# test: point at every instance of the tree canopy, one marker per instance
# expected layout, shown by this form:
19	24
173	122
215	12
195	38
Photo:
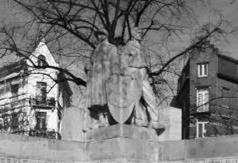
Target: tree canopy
84	20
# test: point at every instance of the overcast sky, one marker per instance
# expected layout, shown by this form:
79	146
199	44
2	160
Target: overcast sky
229	11
210	10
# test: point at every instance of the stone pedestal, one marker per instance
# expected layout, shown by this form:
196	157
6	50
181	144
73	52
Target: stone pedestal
122	143
123	131
72	124
24	149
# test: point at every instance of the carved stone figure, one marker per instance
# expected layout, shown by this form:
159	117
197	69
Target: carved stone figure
118	86
98	75
146	111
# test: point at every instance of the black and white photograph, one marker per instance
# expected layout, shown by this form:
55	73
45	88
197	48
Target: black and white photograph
118	81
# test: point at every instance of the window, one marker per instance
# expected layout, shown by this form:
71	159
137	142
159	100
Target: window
5	88
7	122
40	121
41	91
15	122
200	129
202	100
227	68
226	97
2	92
41	61
14	89
202	70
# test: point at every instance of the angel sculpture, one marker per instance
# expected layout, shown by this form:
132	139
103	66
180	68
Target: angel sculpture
118	86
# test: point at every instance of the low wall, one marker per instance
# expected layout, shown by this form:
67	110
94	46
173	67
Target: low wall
118	148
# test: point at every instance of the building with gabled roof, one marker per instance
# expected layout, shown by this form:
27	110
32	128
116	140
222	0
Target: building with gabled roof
208	94
31	102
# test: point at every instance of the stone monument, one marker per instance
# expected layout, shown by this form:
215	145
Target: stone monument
118	89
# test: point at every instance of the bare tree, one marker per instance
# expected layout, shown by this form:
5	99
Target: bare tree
64	20
219	114
72	29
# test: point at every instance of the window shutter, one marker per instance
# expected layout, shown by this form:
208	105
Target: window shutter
199	70
206	100
199	98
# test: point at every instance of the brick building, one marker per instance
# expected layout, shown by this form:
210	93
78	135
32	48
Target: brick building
31	102
208	94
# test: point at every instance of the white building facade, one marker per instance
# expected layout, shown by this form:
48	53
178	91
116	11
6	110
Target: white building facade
31	101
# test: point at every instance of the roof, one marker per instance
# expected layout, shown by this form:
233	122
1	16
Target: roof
228	58
218	52
13	67
13	63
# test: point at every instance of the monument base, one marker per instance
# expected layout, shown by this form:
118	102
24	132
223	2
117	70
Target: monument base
122	130
122	143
